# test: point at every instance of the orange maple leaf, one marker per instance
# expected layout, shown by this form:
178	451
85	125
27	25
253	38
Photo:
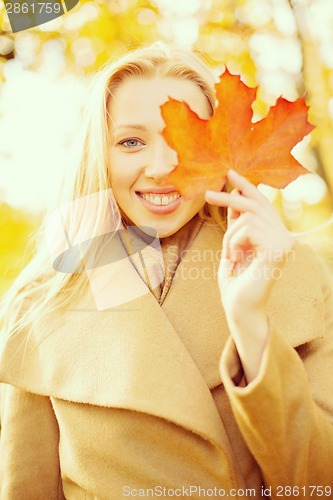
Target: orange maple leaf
260	151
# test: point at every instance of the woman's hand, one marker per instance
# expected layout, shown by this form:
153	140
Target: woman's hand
254	250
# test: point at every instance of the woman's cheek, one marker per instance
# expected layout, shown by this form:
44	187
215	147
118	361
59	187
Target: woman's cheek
129	169
119	168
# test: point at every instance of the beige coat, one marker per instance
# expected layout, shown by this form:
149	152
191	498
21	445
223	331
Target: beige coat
102	404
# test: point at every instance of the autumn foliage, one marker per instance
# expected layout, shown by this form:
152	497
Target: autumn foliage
260	151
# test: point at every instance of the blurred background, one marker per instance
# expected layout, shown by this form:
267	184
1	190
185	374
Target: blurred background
284	46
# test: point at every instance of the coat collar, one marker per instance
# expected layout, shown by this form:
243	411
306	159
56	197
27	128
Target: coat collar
158	360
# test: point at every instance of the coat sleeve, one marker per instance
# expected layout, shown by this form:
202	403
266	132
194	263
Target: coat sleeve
29	442
285	415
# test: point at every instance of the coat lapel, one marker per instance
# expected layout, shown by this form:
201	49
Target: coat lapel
128	357
193	304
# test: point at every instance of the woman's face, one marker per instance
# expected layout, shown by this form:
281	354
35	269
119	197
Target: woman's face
140	156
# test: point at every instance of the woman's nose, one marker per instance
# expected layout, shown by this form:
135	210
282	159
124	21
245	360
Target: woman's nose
162	159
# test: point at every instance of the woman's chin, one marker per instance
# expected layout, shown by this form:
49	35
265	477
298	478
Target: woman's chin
162	229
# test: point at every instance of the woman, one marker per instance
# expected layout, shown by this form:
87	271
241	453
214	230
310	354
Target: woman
174	371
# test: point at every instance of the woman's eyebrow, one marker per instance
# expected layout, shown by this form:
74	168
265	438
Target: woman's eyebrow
138	127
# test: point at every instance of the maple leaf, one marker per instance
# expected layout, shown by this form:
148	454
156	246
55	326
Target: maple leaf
260	151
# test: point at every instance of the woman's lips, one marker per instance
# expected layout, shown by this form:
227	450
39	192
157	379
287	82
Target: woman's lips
160	209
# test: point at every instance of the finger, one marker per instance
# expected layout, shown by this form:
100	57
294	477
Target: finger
226	271
243	225
245	186
232	214
245	242
237	202
241	203
249	221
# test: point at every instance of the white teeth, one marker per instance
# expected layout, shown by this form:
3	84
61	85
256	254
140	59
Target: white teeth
160	199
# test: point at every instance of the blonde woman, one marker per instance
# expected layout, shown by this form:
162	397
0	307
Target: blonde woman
140	360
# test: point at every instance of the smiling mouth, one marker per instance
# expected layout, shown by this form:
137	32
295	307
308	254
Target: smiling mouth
162	199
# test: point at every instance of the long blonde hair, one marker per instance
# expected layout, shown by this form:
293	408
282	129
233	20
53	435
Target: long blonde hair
40	287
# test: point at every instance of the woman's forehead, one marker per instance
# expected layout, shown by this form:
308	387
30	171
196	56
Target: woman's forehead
141	97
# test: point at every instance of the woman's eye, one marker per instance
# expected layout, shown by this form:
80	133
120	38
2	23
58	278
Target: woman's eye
131	143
